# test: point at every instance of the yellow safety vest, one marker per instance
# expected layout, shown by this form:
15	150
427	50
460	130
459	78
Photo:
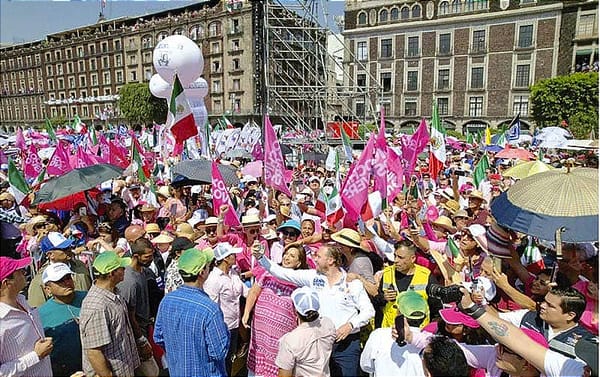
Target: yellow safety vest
418	283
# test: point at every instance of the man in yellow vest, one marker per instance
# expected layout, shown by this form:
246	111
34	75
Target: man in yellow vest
404	275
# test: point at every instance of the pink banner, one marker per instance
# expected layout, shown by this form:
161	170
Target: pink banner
416	145
20	140
32	164
274	166
102	149
394	175
356	188
379	165
59	162
83	158
221	197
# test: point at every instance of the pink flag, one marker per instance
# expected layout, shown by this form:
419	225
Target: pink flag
32	164
379	163
416	145
221	196
394	174
117	158
20	140
274	166
257	151
59	162
356	188
102	149
83	158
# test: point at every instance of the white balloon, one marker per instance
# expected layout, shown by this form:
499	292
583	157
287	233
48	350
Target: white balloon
159	87
178	54
196	89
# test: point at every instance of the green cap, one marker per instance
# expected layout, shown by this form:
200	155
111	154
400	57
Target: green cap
412	305
192	261
109	261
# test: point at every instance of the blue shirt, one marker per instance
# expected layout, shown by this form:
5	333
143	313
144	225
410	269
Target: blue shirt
191	329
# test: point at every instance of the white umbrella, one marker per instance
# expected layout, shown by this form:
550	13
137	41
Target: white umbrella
550	132
553	141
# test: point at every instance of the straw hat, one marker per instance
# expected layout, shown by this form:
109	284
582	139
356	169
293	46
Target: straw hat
348	237
461	213
152	228
184	230
446	223
249	220
451	205
164	191
162	238
39	219
147	208
476	194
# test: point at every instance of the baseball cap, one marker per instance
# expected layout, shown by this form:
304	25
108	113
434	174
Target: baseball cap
108	261
9	265
305	300
294	224
192	261
55	272
412	305
224	249
54	241
181	243
453	317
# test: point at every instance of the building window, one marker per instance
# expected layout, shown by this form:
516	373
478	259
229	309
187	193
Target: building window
386	48
521	106
48	70
475	106
394	14
80	52
236	84
71	82
217	106
455	6
104	47
117	44
106	78
522	76
416	11
383	15
525	36
360	109
444	46
361	81
469	5
362	18
482	4
444	8
386	81
412	81
477	78
147	41
361	50
235	44
478	41
404	13
216	86
162	35
216	66
442	104
586	25
50	84
133	76
132	59
215	48
195	32
119	75
413	46
214	29
410	108
443	79
179	32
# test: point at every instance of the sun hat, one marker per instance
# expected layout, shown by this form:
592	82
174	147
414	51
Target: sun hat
184	230
10	265
29	227
55	241
108	261
192	261
181	243
305	300
162	238
348	237
587	350
294	224
164	191
451	205
461	213
249	220
248	178
412	305
195	220
269	218
498	241
445	222
55	272
453	317
148	208
152	228
212	220
476	194
224	249
6	196
314	178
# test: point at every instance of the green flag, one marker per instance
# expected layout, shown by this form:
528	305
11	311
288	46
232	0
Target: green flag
138	160
18	186
469	138
453	247
479	173
347	145
93	136
50	130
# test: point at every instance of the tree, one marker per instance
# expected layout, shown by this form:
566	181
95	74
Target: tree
572	98
138	105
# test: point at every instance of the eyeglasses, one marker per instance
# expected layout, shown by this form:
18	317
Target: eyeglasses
253	230
288	233
39	226
212	229
272	222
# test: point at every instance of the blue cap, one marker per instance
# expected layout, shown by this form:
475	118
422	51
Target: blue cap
54	241
294	224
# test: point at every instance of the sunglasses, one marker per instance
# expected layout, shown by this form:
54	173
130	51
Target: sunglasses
212	229
272	222
40	226
288	233
253	231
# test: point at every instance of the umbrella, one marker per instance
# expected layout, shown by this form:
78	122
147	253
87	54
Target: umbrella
553	131
527	169
553	141
492	148
285	149
518	153
238	153
253	168
200	171
550	200
75	181
314	156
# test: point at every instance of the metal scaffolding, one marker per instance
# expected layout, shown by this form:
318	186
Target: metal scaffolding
296	74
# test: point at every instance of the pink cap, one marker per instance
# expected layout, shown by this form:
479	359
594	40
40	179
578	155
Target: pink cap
453	317
9	265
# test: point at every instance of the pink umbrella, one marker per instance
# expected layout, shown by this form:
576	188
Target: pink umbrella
518	153
254	168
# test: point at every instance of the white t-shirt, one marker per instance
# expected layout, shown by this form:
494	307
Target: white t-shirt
557	365
382	356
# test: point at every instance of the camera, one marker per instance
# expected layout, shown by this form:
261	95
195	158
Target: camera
448	294
460	173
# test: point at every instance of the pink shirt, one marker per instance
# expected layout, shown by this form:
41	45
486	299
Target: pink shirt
226	290
591	306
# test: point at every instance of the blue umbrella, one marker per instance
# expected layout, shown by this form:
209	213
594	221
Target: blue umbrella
492	148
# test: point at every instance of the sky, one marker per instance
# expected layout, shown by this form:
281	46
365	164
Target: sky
30	20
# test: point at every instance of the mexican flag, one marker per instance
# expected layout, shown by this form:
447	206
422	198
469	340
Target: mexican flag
331	204
226	123
18	186
437	148
50	130
183	125
136	159
347	145
78	126
479	172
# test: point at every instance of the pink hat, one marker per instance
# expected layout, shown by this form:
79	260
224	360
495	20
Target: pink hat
453	317
9	265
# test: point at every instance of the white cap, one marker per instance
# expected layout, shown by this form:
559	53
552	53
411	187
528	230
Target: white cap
224	249
269	218
476	230
55	272
305	299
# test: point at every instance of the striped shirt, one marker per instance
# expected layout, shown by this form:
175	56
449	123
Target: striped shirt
191	329
104	323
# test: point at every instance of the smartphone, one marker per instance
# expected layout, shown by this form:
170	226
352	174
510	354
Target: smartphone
82	211
399	322
173	209
460	173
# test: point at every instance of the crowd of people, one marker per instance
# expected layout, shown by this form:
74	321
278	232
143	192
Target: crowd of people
152	282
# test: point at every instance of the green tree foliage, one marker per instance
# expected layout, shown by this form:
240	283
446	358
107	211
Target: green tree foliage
138	105
572	98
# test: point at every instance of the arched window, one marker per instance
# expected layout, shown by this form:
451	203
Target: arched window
444	8
469	5
416	11
362	18
147	41
214	29
404	13
162	35
196	32
383	15
394	14
178	31
456	6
